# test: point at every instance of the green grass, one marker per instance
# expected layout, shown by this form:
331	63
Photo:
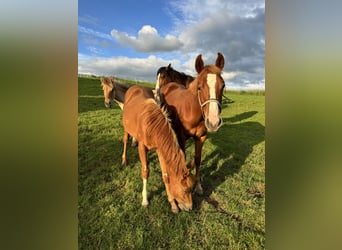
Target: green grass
230	213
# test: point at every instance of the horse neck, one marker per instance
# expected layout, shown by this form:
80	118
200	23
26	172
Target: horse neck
170	155
172	164
193	87
120	91
183	78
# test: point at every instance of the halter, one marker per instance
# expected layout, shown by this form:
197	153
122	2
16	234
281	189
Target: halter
202	104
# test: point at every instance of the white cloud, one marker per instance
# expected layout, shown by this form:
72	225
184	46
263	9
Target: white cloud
148	40
125	67
92	32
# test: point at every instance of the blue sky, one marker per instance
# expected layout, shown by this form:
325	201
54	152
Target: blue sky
132	39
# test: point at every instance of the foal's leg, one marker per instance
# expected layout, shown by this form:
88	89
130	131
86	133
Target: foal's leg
125	139
198	155
144	172
171	199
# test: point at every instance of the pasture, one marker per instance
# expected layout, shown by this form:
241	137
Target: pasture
229	215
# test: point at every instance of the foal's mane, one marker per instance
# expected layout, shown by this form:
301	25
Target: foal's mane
159	128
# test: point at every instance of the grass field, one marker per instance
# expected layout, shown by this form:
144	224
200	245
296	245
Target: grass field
229	215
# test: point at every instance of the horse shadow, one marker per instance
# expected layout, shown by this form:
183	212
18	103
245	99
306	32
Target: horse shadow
230	153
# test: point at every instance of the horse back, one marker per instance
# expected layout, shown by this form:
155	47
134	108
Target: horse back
135	99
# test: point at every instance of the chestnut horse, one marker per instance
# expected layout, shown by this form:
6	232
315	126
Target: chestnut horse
144	119
113	91
196	110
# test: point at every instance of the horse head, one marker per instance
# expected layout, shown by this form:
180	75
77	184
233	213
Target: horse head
210	90
108	89
180	188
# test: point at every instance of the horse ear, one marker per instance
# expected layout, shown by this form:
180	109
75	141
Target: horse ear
199	64
168	66
220	61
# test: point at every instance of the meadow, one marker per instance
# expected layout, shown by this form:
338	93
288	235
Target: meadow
229	215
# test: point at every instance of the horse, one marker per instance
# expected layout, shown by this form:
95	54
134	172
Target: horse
196	110
168	74
116	91
144	119
113	91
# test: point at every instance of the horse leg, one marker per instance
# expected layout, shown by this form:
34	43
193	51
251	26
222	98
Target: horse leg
198	155
166	179
125	139
134	142
144	172
170	198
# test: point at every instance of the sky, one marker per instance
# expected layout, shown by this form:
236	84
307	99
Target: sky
131	39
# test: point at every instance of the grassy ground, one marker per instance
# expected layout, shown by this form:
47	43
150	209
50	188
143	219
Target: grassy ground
230	213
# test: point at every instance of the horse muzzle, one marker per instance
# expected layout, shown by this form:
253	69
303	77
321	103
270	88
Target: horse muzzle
185	207
213	126
108	104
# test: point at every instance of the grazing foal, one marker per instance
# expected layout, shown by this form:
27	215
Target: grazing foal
196	110
148	123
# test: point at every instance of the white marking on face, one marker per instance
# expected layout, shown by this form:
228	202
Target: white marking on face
213	114
157	84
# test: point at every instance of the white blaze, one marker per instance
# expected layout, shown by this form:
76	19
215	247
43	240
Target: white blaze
213	114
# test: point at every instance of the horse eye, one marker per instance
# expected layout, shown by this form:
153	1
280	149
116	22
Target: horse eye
199	88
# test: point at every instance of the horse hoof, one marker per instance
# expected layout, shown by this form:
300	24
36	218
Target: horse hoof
175	211
144	205
199	190
123	163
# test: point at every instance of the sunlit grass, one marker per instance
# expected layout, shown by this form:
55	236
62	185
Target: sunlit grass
230	213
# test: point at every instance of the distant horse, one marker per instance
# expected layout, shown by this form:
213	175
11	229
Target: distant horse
145	120
114	91
196	110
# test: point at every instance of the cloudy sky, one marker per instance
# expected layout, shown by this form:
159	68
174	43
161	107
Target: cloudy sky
132	39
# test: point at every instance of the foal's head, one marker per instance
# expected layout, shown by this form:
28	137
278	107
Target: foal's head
108	90
210	90
181	188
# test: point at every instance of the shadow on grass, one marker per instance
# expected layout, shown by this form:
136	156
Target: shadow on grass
233	143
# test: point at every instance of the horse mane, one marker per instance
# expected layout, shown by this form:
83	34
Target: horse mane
159	127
